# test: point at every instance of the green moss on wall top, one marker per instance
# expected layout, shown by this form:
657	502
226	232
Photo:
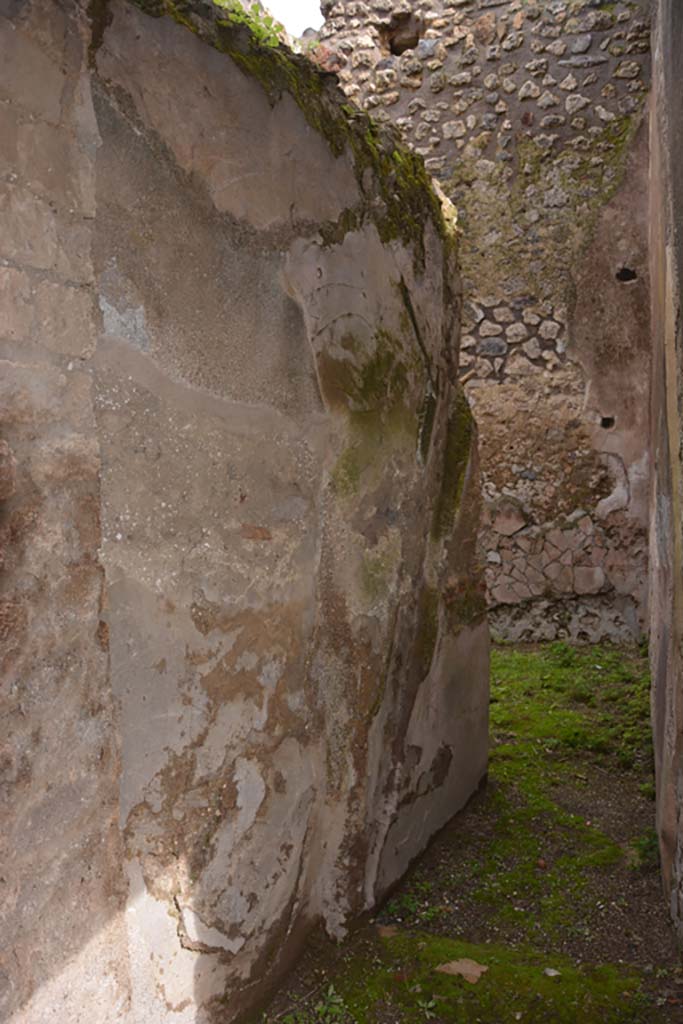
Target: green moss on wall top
397	192
263	26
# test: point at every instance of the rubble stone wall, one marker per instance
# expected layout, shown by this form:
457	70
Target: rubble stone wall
530	116
244	658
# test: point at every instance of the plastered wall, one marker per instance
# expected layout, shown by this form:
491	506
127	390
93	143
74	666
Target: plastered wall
666	210
244	663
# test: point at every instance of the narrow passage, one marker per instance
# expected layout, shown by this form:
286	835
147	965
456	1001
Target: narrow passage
541	901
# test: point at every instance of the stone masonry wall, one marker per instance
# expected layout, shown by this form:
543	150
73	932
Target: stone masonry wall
244	662
529	114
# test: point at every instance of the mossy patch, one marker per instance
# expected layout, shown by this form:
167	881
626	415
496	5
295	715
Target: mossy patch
426	419
374	391
427	630
379	566
465	602
374	438
179	10
591	699
396	978
375	575
543	885
346	475
549	708
612	145
456	454
527	220
397	193
363	380
263	26
514	983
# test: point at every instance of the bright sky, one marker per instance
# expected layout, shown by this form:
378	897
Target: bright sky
296	15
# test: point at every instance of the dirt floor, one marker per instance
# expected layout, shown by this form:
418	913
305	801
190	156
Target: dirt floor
541	901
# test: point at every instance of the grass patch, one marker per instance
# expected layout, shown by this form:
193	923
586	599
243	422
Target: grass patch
590	699
396	979
526	883
556	712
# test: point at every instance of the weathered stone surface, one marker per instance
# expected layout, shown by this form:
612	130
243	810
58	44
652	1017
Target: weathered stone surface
508	518
244	655
7	472
65	319
16	308
666	515
28	233
611	335
589	579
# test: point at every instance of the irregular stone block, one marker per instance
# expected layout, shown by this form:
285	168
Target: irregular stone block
508	518
588	579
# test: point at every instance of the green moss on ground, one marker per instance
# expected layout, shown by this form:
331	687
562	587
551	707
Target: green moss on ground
551	709
395	978
525	882
590	699
515	987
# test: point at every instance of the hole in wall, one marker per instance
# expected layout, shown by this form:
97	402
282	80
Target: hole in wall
607	422
626	274
403	33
